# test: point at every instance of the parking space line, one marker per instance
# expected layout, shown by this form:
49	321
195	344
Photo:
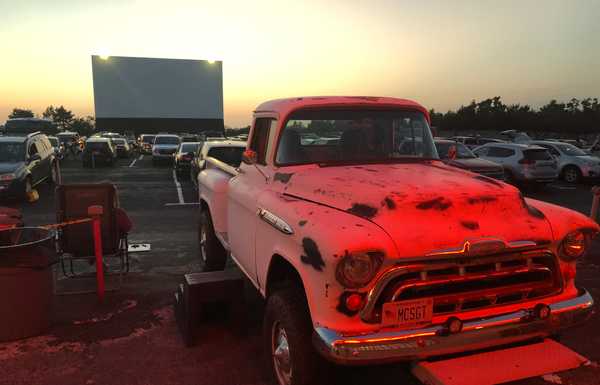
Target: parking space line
132	162
141	157
178	186
183	204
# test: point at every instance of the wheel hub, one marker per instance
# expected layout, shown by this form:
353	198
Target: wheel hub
281	355
203	243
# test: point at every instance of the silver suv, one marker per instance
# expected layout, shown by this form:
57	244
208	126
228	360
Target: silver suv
573	163
523	163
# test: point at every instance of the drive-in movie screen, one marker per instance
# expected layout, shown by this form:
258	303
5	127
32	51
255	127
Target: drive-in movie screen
299	192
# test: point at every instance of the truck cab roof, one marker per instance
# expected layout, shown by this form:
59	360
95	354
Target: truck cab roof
284	107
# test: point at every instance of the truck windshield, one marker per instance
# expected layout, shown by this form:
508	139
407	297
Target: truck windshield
11	152
354	136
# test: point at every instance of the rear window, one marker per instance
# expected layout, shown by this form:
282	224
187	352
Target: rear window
166	140
230	155
11	152
96	145
189	147
147	138
538	154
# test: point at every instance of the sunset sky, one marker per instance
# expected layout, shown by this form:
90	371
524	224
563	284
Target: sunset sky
440	53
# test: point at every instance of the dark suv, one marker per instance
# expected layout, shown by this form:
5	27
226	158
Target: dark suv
26	161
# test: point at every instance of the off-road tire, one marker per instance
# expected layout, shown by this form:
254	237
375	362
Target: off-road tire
211	252
571	174
287	307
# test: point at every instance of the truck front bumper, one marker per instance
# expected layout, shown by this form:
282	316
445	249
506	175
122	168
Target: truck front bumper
416	344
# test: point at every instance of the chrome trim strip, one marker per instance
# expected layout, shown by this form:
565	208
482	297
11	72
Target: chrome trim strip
274	221
397	345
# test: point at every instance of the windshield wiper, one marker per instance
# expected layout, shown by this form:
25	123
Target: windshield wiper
406	159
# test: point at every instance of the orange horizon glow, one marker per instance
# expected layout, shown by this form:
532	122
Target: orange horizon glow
441	54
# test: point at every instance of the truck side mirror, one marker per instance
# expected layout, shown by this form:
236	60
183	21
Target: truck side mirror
249	157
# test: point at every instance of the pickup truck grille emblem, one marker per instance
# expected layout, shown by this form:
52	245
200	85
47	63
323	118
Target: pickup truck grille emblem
274	221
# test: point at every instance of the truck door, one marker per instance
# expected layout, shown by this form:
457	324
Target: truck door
244	192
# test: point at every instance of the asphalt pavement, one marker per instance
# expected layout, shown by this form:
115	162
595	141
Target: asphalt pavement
132	337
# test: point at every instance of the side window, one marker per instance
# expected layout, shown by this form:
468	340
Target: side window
553	151
260	139
500	152
481	151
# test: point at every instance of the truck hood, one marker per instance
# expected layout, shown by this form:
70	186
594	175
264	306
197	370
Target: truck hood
424	207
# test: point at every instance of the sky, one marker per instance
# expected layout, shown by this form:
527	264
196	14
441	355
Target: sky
442	54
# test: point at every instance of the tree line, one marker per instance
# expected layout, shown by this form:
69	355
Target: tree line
62	117
572	118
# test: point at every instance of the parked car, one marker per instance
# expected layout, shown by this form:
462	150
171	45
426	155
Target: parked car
184	156
25	162
99	151
523	163
371	250
465	159
122	147
164	147
70	141
145	143
573	163
59	148
226	151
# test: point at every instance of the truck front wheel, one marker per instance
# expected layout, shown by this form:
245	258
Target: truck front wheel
212	253
287	330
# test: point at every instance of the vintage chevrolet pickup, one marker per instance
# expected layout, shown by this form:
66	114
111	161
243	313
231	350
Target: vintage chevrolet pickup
364	243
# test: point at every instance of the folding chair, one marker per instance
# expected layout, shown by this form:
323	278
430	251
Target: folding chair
76	241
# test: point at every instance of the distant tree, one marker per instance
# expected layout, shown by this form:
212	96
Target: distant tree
59	115
20	113
84	126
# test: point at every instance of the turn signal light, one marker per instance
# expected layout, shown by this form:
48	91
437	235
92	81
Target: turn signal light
354	302
573	246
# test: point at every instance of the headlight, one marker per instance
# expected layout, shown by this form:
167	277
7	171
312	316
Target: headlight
358	269
7	177
573	246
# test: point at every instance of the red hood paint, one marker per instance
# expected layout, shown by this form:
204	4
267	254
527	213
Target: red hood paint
424	207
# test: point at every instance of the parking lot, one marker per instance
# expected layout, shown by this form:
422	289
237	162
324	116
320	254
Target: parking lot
132	338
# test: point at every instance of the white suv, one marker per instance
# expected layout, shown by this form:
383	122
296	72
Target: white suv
164	147
523	163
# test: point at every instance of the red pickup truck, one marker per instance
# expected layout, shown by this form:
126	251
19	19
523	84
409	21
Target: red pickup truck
370	249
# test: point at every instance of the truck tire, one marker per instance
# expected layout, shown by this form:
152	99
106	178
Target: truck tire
287	335
212	253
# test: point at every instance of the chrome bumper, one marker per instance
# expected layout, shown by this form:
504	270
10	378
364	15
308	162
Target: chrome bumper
407	345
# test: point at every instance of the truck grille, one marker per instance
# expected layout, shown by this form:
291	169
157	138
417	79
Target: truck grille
464	284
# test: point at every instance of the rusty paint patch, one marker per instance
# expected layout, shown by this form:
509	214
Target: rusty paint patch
313	255
471	225
488	180
439	203
482	199
389	203
302	222
363	210
282	177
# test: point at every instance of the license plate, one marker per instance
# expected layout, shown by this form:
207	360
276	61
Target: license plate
407	313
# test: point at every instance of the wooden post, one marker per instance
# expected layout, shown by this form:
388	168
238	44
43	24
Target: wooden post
96	213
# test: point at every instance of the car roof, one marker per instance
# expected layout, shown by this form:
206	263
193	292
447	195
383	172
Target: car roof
445	141
13	139
171	135
224	143
98	140
553	142
285	106
521	146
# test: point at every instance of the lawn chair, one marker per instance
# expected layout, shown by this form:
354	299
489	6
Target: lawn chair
76	241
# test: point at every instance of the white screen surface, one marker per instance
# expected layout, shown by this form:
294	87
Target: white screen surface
128	87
